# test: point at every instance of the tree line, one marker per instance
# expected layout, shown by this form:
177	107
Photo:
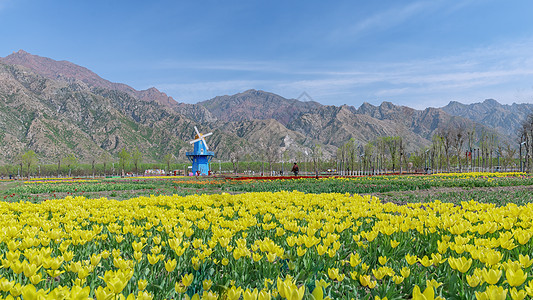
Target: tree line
452	149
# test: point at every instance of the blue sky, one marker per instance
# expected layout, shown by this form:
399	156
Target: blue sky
414	53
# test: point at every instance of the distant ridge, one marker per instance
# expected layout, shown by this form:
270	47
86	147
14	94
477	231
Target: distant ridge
57	108
502	117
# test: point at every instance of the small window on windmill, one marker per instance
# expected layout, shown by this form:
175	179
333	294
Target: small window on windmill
202	151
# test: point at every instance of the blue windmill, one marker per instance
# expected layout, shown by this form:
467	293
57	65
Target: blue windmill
201	156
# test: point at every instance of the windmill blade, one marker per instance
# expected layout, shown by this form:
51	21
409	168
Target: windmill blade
201	137
205	144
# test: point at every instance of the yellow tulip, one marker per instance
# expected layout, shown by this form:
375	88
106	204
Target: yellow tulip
493	257
144	295
233	293
29	292
179	287
333	273
397	279
78	292
405	271
429	293
372	284
425	261
152	258
364	280
170	265
461	264
518	295
318	293
16	290
382	260
256	256
355	259
529	288
103	293
473	280
301	251
68	255
206	284
142	284
515	278
250	295
30	269
5	284
187	279
322	283
35	279
491	276
95	259
437	259
378	273
492	292
137	246
194	297
264	295
364	266
525	261
296	293
321	249
116	284
411	259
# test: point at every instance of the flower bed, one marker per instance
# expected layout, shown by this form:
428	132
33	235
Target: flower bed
286	245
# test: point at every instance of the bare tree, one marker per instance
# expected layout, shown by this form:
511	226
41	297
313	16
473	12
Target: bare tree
436	151
510	152
271	153
236	150
447	136
352	153
525	137
492	142
29	159
93	162
105	158
458	142
70	161
124	158
169	159
317	157
136	159
394	143
368	152
470	144
58	165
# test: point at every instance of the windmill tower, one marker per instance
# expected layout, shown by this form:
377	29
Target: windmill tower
201	156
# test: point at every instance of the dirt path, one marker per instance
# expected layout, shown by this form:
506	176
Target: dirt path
398	196
6	185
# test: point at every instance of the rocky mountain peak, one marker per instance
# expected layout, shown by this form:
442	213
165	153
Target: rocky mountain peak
65	70
491	102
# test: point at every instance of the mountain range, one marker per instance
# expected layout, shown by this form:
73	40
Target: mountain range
57	108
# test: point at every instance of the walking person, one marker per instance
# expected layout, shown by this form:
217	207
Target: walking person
295	169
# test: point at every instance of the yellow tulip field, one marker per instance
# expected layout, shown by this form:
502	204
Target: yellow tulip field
265	245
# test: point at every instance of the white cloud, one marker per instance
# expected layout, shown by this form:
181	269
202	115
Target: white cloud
199	91
384	20
486	72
